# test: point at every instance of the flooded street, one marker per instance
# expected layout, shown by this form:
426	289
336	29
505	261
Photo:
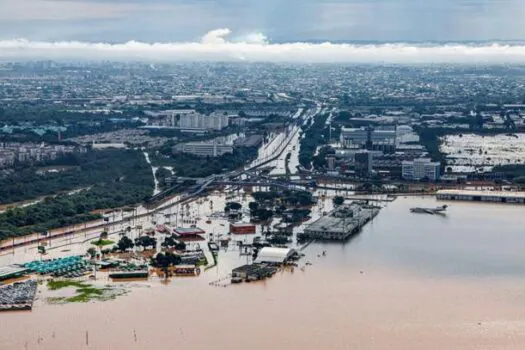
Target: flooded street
408	281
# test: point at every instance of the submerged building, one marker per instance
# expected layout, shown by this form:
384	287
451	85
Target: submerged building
482	196
342	222
273	255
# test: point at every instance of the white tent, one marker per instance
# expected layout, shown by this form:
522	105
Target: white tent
274	255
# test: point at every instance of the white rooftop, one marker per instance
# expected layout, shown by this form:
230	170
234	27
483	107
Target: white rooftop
273	255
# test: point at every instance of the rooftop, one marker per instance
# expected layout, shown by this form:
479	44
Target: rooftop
273	254
507	194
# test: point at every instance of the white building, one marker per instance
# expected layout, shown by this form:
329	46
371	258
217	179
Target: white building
420	169
273	255
380	137
203	122
204	148
363	136
405	134
354	136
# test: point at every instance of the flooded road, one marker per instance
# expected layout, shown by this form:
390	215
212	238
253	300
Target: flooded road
408	281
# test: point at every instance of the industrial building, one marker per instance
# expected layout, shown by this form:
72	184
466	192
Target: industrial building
421	168
252	272
363	163
482	196
354	136
273	255
242	228
370	138
204	148
342	222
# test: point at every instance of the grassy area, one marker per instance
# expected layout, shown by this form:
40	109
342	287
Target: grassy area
102	242
85	292
202	262
55	284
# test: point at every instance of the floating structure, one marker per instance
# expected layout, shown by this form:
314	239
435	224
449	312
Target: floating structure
7	272
18	296
242	228
482	196
342	222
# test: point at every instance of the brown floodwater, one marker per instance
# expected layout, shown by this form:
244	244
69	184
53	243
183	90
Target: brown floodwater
408	281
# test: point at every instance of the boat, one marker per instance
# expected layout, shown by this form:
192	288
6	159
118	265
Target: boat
432	211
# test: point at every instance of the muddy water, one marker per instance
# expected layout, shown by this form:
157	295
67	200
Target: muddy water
409	281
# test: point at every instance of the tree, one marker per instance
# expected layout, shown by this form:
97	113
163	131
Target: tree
232	206
165	260
338	200
146	242
263	214
103	235
253	206
171	241
92	252
124	244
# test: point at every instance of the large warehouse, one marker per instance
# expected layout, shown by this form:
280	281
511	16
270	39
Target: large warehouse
272	255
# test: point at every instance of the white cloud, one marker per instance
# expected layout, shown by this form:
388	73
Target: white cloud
214	46
216	36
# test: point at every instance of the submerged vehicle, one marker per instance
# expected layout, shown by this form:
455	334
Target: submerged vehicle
432	211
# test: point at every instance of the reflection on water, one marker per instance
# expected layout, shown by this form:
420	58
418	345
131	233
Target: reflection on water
408	281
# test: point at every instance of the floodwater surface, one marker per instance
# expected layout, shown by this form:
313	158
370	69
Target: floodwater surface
408	281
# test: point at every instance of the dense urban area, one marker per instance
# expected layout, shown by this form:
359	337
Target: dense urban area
157	171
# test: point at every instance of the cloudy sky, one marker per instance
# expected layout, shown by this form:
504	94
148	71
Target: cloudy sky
279	20
384	31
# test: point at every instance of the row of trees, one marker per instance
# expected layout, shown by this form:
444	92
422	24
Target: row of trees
314	136
85	169
188	165
123	178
